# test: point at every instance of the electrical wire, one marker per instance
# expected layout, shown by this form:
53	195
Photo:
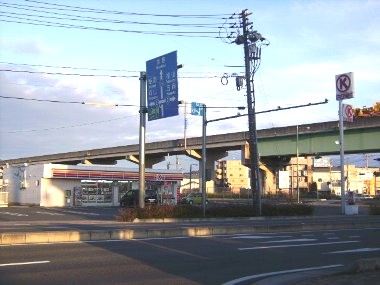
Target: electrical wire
82	18
67	102
104	104
102	11
69	126
97	75
69	67
30	19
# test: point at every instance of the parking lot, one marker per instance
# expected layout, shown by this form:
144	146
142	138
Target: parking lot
33	213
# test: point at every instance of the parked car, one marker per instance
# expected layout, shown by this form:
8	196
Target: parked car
131	198
193	198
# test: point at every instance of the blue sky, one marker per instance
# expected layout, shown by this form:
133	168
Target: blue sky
310	42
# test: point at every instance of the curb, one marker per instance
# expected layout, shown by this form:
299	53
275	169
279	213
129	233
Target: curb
128	234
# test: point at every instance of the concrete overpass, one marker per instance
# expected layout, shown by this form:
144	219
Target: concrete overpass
361	136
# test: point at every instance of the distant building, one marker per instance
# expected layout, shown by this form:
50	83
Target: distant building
300	173
357	179
232	175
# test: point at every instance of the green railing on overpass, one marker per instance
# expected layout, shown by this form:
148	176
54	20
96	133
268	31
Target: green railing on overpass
361	136
361	140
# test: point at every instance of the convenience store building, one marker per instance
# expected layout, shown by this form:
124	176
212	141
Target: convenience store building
58	185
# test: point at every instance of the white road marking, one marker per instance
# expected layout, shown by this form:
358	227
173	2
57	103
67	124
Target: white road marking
258	237
50	213
24	263
296	245
14	214
247	278
81	213
365	249
290	240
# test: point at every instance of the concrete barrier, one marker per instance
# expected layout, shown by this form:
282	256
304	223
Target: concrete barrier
126	234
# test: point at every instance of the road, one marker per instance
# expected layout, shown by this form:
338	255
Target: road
186	260
25	219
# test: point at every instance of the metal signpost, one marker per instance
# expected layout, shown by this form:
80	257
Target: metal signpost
162	86
161	83
344	84
199	109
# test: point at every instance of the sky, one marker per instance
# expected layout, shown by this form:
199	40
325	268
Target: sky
55	56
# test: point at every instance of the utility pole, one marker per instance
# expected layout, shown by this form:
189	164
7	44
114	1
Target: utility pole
252	42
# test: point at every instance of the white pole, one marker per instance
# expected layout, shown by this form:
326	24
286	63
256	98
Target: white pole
341	144
204	124
185	126
143	111
298	188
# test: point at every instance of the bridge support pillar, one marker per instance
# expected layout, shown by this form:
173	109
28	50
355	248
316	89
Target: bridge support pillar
212	156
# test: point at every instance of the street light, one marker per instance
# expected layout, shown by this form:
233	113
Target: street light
297	154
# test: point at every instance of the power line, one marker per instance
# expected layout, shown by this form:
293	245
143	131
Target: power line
98	75
82	18
69	67
69	126
91	10
68	74
96	69
30	19
67	102
191	34
103	104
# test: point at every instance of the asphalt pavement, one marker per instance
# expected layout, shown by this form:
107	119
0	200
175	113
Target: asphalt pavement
26	225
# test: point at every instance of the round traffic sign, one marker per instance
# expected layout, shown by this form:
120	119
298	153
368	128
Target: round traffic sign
348	111
343	83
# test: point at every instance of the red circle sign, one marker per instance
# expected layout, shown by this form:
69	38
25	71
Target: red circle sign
343	83
349	112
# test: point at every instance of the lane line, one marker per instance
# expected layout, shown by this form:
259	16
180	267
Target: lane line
258	237
365	249
250	277
49	213
290	240
24	263
296	245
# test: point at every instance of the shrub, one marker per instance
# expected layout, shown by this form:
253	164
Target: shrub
159	212
230	211
127	215
374	209
212	211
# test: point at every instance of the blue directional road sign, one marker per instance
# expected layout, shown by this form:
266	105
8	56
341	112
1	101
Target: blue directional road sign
162	86
196	109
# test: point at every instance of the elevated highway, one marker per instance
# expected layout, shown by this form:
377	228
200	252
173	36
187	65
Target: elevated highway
361	136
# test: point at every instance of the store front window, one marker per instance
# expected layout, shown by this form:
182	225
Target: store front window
95	192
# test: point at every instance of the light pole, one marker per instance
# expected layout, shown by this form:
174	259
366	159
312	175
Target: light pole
297	161
297	153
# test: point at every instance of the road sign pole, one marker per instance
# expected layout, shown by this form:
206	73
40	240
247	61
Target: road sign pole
204	126
185	125
341	144
143	111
